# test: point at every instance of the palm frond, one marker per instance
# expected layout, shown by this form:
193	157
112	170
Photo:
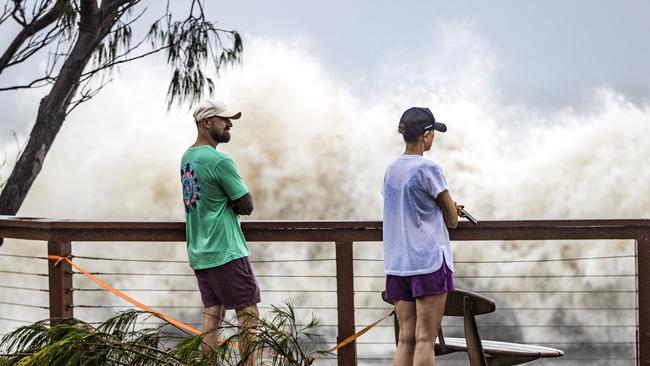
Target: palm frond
277	339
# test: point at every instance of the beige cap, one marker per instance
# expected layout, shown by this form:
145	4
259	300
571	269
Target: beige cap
209	108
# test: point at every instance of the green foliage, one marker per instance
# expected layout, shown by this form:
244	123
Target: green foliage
68	19
116	43
117	341
277	340
189	44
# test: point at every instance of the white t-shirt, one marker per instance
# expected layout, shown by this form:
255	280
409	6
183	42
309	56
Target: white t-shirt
416	240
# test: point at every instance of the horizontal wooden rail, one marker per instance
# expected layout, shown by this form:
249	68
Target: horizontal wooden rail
329	231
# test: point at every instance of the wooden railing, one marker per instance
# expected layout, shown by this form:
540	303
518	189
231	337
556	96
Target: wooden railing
59	234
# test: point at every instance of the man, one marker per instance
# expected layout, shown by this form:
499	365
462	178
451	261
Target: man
214	196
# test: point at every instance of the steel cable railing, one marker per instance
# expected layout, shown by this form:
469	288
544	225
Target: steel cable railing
23	289
586	302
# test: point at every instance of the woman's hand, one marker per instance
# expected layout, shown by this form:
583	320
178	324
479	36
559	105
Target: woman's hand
458	209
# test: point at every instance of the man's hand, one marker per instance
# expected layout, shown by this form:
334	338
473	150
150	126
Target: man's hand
242	205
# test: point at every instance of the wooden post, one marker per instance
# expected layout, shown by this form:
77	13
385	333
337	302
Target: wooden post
347	356
643	286
60	277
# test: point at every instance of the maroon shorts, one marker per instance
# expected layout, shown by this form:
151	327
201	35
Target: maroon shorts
232	285
409	288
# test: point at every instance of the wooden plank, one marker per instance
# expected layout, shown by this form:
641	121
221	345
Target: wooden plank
15	221
519	349
314	235
347	356
498	348
72	230
475	351
643	285
60	282
480	304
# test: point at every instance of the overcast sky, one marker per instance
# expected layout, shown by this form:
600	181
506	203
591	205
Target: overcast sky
547	54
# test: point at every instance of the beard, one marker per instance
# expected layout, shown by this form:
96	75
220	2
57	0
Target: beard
221	137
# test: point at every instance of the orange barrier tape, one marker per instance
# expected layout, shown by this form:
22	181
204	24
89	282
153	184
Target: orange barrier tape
358	334
351	338
126	297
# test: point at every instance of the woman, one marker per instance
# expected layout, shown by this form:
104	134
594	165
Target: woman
418	263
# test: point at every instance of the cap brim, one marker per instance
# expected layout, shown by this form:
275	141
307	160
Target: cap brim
441	127
230	115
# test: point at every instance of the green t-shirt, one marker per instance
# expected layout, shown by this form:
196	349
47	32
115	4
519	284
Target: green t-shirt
210	179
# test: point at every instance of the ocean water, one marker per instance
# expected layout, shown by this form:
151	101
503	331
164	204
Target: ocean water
311	147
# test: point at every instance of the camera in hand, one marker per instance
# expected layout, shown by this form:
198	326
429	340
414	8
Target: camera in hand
469	217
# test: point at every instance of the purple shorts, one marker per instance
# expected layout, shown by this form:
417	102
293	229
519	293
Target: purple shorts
409	288
232	285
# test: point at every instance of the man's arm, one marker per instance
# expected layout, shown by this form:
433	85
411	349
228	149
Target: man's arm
242	205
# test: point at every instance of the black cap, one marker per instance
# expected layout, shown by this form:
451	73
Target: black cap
417	120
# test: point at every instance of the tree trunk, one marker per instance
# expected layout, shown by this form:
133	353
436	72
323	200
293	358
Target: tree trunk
93	27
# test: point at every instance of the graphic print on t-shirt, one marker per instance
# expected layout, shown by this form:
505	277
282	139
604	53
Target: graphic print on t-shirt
191	188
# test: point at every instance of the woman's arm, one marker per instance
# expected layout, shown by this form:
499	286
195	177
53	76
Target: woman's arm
450	209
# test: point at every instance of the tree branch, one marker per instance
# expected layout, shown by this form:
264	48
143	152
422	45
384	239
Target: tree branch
55	57
48	80
6	13
132	21
113	63
31	29
112	6
86	94
34	44
115	10
41	5
19	11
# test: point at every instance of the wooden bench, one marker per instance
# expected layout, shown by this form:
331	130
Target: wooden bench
480	352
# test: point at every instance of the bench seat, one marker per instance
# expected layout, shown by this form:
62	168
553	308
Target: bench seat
500	353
